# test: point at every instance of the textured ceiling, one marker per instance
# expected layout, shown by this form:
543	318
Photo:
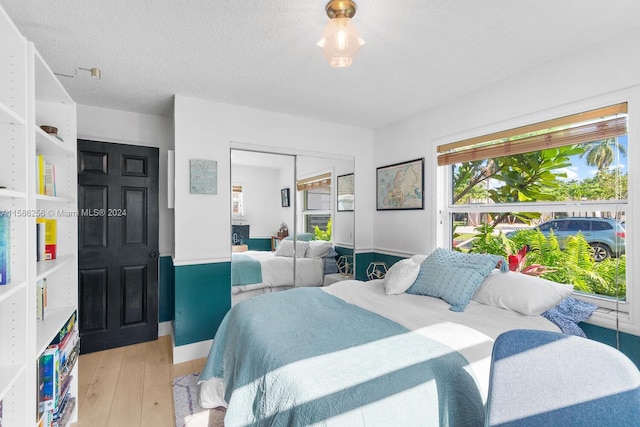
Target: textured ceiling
262	53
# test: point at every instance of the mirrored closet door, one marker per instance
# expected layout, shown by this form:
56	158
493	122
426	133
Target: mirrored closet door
290	221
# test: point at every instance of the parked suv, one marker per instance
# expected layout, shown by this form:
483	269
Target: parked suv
605	235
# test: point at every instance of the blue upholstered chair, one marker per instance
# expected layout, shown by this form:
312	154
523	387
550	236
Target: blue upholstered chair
541	378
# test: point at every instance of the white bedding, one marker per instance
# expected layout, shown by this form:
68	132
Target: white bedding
471	332
277	272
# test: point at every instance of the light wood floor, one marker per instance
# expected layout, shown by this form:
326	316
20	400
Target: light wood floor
130	386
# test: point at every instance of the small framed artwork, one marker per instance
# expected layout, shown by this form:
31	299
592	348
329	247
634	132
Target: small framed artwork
203	176
400	186
284	197
345	188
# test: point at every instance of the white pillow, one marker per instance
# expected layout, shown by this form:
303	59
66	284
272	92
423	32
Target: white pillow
400	276
318	249
418	258
285	248
519	292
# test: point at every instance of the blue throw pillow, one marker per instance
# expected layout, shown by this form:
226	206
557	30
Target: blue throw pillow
454	276
303	237
330	265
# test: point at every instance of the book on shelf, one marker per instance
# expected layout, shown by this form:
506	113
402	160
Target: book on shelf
40	242
46	238
48	380
41	298
54	373
40	173
49	179
5	247
66	329
50	238
63	415
45	176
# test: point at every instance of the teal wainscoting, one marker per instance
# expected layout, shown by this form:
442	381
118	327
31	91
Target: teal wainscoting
165	289
258	244
364	259
202	298
629	344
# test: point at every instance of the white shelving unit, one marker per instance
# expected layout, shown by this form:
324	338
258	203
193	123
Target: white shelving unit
31	96
15	316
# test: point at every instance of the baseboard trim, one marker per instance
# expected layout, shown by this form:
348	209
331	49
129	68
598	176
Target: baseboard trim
185	353
165	328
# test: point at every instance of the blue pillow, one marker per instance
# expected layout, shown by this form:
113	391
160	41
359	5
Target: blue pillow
330	265
303	237
454	276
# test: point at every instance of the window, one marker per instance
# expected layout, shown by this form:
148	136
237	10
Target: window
237	205
316	199
558	188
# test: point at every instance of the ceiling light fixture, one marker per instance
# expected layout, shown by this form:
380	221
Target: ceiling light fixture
95	73
341	40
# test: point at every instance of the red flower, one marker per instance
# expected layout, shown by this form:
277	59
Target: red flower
516	261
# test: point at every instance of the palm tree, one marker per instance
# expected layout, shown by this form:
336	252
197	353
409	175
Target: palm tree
601	153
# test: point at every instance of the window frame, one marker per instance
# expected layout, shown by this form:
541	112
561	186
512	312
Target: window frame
324	177
623	316
239	215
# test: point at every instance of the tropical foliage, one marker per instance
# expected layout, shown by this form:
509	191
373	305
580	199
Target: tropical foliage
323	234
541	176
528	177
573	265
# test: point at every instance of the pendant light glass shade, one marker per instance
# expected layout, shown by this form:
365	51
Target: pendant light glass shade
340	42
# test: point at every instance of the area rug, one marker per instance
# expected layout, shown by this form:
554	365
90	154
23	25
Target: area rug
185	401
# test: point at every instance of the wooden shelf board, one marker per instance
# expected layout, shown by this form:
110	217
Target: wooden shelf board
45	268
50	145
7	115
8	376
54	320
55	199
11	288
12	194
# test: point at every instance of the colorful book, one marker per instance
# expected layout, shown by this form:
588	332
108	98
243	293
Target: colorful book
40	239
49	179
41	298
50	239
5	247
40	173
49	370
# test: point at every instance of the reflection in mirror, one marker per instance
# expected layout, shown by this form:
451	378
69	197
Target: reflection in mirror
326	199
259	220
288	229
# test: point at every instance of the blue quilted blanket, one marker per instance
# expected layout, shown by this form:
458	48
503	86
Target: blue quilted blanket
245	270
304	357
569	313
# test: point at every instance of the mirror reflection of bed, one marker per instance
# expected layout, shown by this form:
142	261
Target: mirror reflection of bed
266	259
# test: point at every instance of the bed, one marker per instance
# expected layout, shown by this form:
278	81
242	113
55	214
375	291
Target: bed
259	272
362	353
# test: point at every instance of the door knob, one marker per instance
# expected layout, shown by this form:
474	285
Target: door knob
153	254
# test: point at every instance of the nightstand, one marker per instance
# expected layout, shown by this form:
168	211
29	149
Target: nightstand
275	241
239	248
330	279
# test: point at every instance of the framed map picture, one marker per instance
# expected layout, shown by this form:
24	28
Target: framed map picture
345	192
400	186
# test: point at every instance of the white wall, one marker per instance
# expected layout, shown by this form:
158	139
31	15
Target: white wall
106	125
604	73
206	130
261	197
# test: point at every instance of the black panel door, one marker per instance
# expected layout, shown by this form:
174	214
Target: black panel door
117	244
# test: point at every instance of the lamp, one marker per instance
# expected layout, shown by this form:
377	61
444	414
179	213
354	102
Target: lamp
341	40
95	73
